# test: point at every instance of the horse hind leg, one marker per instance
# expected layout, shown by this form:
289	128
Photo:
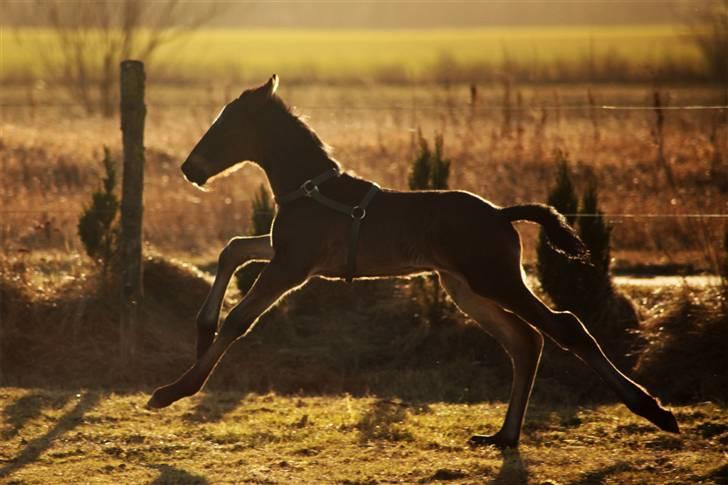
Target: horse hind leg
521	341
569	333
237	252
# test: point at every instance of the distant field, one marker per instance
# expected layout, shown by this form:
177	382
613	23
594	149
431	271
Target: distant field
544	53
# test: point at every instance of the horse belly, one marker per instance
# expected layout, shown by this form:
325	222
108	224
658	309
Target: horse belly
383	250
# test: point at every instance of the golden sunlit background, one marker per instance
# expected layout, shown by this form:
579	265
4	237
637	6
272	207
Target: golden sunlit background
612	111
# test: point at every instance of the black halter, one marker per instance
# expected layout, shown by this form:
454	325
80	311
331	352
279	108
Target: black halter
310	189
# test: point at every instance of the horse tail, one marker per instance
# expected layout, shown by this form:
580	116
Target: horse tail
561	236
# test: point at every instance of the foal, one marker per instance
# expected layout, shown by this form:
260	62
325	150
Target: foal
324	227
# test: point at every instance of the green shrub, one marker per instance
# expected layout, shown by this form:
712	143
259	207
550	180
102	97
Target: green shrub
439	166
97	226
596	234
556	272
429	170
419	174
593	230
572	285
261	219
587	289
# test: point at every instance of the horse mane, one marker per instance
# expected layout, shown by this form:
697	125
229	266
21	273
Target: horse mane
294	129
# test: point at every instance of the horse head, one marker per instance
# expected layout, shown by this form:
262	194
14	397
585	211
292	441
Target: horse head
232	138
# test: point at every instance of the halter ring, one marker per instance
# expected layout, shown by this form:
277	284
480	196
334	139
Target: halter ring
309	188
358	213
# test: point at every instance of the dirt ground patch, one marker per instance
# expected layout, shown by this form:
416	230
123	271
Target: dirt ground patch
85	436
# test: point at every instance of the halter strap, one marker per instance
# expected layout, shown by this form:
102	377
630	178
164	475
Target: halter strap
357	213
309	186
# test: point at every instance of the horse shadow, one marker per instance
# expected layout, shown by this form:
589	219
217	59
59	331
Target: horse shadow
381	422
35	448
27	408
512	470
169	475
213	406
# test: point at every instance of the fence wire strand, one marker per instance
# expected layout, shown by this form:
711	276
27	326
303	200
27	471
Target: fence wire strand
422	107
631	215
414	106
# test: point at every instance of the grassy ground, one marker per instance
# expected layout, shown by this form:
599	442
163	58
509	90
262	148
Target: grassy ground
544	53
364	390
84	436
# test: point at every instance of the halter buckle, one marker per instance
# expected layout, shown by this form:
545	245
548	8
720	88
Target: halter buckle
309	187
358	212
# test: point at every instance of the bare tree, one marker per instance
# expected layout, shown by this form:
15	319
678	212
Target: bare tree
93	37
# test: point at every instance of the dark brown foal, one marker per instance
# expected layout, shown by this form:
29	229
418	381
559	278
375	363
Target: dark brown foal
471	243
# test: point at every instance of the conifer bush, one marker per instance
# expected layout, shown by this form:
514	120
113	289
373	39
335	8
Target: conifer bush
557	273
430	170
419	173
571	284
439	166
596	234
587	289
97	226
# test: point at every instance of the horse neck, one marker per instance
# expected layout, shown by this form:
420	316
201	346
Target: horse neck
288	162
286	174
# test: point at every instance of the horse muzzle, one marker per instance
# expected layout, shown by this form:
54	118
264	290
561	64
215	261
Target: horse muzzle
193	172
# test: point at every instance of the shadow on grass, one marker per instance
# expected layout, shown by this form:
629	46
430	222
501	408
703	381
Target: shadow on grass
214	406
603	475
28	408
36	447
381	422
169	475
513	470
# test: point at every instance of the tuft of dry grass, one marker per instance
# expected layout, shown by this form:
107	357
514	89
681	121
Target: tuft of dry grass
686	346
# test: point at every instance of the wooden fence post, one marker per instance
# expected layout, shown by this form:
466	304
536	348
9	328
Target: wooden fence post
133	111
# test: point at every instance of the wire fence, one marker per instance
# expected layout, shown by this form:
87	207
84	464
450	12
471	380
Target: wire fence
400	107
472	107
615	215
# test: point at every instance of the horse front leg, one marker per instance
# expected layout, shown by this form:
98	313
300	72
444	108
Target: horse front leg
236	253
274	282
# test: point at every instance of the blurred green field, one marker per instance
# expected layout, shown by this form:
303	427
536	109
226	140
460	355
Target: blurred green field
540	53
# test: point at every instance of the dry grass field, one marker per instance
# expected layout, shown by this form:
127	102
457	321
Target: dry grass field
338	384
75	436
353	383
502	149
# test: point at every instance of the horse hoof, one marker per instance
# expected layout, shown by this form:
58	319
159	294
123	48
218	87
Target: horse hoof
666	421
161	398
659	416
492	440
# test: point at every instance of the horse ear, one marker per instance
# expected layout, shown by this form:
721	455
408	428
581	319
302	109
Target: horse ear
263	92
271	86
